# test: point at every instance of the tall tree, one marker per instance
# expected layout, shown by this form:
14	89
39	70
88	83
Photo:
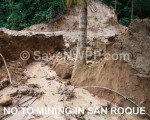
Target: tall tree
132	8
80	59
115	4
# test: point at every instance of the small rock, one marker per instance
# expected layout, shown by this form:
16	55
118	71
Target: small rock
62	98
24	73
34	85
23	91
42	65
5	82
19	64
68	83
34	76
90	62
19	96
5	100
1	87
13	93
31	93
15	102
50	78
46	62
38	93
28	76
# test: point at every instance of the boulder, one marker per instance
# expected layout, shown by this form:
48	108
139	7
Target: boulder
4	83
63	69
5	100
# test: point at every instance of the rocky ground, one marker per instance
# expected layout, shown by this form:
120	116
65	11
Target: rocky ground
44	89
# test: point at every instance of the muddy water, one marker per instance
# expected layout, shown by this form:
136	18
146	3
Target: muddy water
54	97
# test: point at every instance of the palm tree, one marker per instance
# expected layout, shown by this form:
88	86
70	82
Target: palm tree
80	59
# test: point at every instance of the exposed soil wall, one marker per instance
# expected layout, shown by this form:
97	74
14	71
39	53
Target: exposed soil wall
12	43
116	75
131	78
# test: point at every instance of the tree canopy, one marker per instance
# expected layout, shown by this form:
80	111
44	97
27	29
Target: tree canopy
18	14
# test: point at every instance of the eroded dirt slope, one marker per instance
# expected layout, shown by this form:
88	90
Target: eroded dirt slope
102	21
131	77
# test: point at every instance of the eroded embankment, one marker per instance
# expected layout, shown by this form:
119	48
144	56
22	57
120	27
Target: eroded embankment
12	43
132	77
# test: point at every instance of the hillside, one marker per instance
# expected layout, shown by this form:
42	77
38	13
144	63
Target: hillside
36	69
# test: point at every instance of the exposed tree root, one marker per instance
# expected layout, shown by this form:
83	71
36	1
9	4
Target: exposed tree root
6	68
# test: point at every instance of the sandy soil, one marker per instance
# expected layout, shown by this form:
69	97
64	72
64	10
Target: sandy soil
42	87
56	94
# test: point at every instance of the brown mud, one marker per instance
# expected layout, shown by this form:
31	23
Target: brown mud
40	83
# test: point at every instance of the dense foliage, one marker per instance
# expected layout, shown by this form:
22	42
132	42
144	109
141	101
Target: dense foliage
18	14
141	9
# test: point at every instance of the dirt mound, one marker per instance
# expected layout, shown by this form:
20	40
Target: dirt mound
101	19
132	77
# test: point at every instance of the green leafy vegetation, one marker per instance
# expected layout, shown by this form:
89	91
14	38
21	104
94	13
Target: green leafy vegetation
141	9
18	14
